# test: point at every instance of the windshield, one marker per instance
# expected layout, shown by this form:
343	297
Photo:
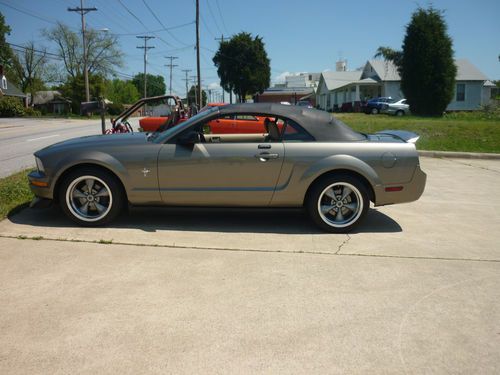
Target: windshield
160	137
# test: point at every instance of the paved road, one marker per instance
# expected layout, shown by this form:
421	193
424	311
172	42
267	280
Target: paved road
19	138
415	290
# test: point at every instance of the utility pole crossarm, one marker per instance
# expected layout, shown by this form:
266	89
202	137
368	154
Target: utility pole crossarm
171	65
145	48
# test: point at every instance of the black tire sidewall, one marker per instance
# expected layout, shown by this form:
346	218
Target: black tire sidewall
315	192
114	186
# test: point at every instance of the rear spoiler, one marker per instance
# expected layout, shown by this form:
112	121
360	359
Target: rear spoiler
404	135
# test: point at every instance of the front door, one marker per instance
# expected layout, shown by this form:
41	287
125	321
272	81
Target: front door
219	174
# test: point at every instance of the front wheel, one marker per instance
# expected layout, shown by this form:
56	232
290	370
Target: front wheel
90	196
337	204
374	111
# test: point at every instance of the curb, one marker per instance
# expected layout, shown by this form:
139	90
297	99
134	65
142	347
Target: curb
459	155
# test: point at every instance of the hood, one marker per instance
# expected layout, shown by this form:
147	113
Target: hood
88	142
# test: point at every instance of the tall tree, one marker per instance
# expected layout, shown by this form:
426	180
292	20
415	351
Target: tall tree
7	57
193	91
242	65
155	84
389	54
103	52
30	68
427	68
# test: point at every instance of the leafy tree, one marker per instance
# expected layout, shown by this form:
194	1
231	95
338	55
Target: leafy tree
74	88
192	95
389	54
427	68
155	84
242	65
121	92
103	52
7	57
30	68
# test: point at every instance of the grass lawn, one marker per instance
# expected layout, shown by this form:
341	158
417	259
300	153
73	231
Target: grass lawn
469	132
14	191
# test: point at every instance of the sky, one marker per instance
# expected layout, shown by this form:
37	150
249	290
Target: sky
299	36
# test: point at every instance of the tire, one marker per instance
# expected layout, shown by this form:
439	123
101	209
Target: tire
344	214
104	203
400	113
374	111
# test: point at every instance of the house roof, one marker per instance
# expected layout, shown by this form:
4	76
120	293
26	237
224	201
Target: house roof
12	90
335	80
386	70
468	72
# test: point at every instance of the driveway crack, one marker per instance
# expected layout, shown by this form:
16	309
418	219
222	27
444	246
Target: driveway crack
471	165
343	244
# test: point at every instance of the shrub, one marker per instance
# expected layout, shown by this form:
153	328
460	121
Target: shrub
11	107
31	112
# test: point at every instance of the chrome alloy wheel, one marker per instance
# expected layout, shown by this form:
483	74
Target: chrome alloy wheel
340	204
89	198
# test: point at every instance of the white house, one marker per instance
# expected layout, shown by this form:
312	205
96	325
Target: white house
381	78
302	80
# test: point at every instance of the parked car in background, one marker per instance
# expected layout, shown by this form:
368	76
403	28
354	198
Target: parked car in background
399	108
305	158
304	103
374	106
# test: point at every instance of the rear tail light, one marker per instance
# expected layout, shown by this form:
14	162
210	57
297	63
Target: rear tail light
393	188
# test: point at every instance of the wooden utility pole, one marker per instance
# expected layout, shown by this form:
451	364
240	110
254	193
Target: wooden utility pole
145	48
172	58
198	52
187	84
221	39
83	11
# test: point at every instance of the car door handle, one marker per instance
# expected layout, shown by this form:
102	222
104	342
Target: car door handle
263	146
265	156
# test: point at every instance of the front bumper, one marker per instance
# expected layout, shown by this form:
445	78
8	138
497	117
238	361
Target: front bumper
40	184
410	191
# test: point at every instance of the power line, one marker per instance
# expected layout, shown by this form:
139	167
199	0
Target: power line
213	17
146	48
221	17
29	13
186	71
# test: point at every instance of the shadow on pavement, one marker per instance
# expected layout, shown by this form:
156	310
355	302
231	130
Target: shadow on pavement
228	220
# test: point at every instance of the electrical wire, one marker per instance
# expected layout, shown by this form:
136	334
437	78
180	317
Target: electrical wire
213	17
162	25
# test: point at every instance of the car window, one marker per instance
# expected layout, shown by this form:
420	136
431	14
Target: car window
245	117
296	133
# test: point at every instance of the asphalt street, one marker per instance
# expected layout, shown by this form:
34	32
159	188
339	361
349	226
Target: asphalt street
416	289
20	138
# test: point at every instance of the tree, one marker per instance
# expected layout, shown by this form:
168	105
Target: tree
192	95
74	88
103	52
7	57
427	68
30	67
121	92
155	84
242	65
389	54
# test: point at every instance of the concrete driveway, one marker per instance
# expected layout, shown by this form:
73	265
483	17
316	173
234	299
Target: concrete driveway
415	290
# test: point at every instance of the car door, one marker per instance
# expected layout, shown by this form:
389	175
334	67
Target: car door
237	173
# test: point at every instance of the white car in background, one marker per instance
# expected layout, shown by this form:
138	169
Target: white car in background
399	108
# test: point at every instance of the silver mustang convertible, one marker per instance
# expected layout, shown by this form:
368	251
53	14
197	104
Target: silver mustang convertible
242	155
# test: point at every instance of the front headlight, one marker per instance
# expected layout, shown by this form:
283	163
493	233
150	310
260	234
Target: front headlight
39	165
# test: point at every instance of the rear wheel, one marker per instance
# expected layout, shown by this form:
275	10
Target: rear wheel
374	111
400	113
337	204
90	196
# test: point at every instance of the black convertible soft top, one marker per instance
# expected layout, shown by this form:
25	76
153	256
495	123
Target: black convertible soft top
320	124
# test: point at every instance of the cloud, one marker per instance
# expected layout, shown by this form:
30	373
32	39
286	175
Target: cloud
214	86
281	77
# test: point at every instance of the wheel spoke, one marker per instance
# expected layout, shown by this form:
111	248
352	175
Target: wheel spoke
78	194
327	208
339	216
85	208
351	206
330	194
346	192
100	208
103	192
90	184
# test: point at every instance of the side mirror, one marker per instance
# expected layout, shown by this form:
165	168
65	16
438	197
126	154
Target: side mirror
189	139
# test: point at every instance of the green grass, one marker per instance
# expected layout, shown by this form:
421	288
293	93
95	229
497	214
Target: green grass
14	191
469	132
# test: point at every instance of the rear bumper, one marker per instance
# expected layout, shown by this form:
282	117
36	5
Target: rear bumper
410	191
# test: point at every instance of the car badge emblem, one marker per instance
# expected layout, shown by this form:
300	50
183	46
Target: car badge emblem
145	171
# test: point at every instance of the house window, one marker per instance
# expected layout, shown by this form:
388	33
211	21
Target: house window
310	77
460	92
4	83
328	101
